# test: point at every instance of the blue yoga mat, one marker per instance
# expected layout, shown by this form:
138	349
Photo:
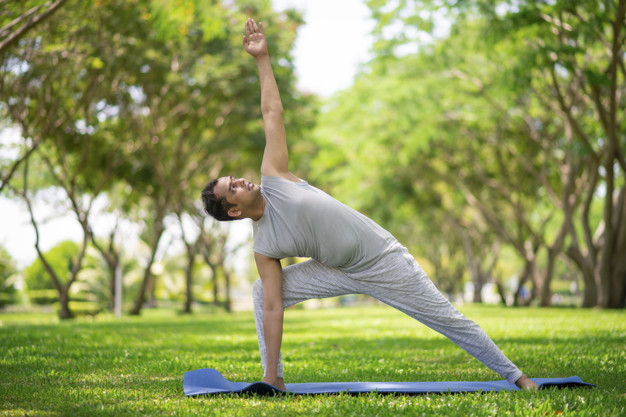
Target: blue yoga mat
210	381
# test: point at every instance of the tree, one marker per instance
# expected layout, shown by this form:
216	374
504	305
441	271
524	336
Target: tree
572	55
200	115
7	270
56	269
55	93
18	19
213	251
111	252
476	110
154	95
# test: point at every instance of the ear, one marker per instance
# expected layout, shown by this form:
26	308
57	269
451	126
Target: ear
234	212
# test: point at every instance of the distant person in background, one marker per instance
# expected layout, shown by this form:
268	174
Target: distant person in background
350	254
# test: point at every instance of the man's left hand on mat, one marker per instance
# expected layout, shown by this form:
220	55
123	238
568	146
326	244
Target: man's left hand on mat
277	382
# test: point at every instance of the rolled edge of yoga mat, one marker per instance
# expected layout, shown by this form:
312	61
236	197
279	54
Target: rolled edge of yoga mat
210	381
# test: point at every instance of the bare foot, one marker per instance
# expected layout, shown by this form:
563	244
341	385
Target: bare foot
526	383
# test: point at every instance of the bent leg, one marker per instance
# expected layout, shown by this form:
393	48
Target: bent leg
301	282
408	289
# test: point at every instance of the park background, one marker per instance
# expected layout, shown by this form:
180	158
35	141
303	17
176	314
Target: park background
487	135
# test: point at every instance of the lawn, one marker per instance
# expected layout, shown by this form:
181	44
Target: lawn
135	366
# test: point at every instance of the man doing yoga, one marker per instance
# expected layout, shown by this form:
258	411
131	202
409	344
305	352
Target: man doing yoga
350	254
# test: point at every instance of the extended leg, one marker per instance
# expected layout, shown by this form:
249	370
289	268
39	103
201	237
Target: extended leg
400	282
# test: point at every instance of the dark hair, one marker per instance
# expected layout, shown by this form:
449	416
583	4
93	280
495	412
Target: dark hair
216	206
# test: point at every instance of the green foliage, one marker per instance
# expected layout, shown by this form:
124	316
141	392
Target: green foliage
61	259
401	132
7	268
492	132
43	297
5	299
136	366
456	145
146	81
8	272
145	101
84	308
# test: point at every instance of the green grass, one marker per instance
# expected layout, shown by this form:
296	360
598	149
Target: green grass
135	366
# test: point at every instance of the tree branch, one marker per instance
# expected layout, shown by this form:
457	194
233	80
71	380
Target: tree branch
567	111
6	43
16	165
53	276
19	19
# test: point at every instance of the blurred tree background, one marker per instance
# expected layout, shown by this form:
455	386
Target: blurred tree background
496	153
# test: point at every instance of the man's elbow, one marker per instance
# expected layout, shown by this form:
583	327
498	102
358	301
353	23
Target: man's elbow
273	308
272	111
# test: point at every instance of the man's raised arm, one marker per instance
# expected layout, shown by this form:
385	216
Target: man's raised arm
275	157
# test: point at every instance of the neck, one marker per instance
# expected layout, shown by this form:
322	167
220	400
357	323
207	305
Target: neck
257	210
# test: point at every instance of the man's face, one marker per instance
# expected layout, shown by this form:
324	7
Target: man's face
238	191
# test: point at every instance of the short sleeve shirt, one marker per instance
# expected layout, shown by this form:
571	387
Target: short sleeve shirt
301	220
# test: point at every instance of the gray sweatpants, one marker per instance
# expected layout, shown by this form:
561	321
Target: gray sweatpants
396	280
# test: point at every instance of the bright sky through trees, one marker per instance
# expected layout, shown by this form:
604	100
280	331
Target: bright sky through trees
331	44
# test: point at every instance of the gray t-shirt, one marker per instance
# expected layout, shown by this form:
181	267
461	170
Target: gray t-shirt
301	220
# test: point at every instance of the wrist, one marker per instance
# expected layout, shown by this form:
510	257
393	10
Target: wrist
262	56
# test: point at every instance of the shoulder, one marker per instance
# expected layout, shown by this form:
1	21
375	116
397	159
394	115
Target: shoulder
271	185
281	175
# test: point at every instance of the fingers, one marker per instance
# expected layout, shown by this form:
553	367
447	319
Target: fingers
248	32
252	27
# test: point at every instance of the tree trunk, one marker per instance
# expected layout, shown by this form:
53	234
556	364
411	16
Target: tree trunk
147	275
152	284
189	281
535	278
192	250
518	298
112	274
216	289
590	295
112	260
117	304
478	288
501	292
136	310
606	256
545	293
227	301
64	303
205	252
590	291
617	293
474	264
611	295
478	278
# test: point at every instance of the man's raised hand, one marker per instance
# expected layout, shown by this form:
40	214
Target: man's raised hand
254	40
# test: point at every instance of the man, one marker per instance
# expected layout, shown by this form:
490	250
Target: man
350	254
